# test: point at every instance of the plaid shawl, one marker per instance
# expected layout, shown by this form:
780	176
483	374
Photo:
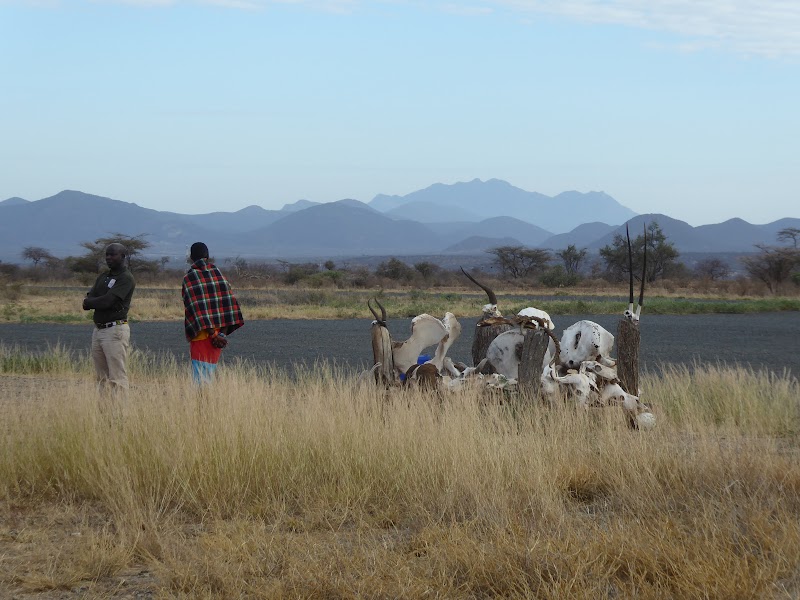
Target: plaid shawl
208	301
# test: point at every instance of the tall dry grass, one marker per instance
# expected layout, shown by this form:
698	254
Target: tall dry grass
36	304
324	487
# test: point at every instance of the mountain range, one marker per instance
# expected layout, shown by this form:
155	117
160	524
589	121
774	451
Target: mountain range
465	218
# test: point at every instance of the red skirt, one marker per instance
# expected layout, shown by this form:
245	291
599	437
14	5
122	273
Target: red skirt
204	351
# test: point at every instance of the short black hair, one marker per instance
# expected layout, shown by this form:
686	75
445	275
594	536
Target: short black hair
197	251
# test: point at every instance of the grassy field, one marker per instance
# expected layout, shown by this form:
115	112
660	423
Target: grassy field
326	487
38	304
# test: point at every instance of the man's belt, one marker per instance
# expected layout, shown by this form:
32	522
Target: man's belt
111	324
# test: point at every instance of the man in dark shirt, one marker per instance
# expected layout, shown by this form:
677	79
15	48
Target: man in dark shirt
110	297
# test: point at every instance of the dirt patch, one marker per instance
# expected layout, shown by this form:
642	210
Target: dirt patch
51	551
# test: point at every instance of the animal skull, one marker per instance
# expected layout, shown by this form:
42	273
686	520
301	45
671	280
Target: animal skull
586	340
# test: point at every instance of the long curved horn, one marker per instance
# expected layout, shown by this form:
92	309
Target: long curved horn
383	310
630	269
644	276
382	318
489	292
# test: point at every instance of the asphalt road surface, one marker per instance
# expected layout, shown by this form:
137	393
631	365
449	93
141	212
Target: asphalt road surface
765	340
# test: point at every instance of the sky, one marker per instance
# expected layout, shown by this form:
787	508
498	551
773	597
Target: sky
686	108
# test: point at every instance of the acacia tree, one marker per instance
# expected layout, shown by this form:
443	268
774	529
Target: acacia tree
572	258
772	265
36	254
712	268
790	233
661	255
426	268
94	257
518	261
395	269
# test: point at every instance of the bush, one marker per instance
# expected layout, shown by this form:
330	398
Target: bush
326	279
395	269
298	272
558	277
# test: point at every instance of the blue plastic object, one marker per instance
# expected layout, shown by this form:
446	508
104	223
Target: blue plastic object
422	359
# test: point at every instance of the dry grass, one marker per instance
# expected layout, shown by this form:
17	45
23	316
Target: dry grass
31	303
327	488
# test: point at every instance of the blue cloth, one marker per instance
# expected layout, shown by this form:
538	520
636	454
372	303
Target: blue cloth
203	372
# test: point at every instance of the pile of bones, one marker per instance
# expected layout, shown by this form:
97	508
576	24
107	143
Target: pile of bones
578	367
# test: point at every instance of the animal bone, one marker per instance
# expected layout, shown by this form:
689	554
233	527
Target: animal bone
581	385
586	340
426	331
453	329
600	370
535	312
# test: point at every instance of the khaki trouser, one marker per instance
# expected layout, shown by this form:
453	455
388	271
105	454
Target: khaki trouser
110	355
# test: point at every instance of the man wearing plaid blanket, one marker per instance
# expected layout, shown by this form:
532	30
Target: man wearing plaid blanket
211	313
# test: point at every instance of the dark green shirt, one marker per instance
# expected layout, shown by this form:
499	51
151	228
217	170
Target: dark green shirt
121	285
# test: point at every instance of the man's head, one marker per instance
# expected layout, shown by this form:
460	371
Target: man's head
115	256
197	251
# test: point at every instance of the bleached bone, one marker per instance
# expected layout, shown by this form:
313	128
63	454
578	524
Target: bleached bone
505	352
637	412
582	385
461	371
453	331
450	368
600	370
550	389
586	340
369	372
535	312
426	331
498	381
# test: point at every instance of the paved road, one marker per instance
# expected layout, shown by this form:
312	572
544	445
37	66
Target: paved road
766	340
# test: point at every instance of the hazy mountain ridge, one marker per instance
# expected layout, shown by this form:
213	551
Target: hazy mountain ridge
477	200
15	201
347	227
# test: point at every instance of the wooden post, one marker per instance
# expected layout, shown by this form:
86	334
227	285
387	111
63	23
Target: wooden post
530	365
483	337
382	353
628	339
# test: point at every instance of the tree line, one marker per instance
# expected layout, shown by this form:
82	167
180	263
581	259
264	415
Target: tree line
774	266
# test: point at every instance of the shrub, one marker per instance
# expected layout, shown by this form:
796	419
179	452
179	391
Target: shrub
558	277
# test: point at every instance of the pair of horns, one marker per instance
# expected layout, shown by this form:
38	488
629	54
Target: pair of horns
382	318
630	272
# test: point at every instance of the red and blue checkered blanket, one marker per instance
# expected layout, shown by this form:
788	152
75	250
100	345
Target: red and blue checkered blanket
208	301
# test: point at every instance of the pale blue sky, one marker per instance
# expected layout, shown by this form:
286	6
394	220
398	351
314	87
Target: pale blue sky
691	109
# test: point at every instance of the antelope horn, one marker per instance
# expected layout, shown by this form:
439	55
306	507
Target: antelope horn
644	276
557	354
630	269
381	320
489	292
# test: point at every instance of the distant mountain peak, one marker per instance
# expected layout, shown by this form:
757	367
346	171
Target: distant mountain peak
14	201
298	205
479	200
